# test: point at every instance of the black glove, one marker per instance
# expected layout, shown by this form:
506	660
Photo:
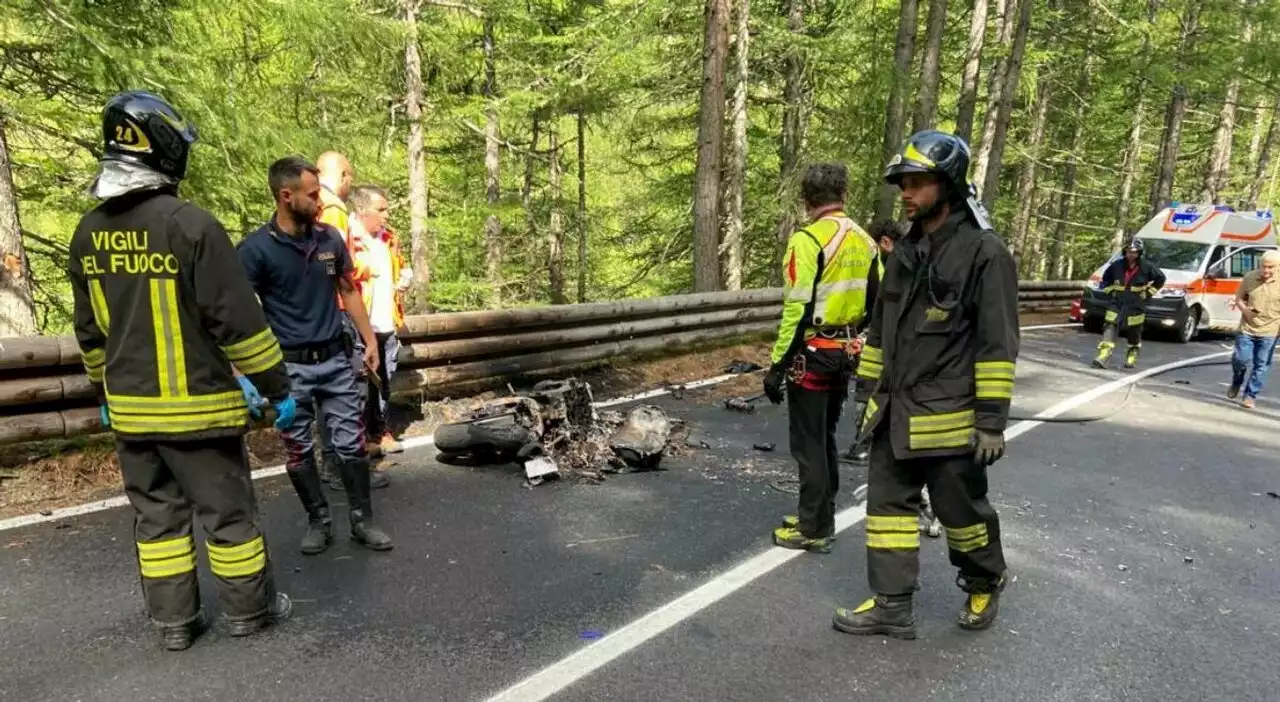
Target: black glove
988	448
773	382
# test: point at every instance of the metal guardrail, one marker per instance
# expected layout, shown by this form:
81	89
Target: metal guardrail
44	393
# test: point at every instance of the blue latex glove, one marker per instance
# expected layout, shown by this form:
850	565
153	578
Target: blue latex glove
251	396
285	411
106	418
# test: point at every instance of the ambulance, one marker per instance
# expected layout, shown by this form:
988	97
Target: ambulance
1204	251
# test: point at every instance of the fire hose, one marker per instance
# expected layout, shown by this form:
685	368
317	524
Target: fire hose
784	485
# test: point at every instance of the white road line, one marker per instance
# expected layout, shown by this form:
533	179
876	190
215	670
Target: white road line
578	665
1049	326
272	471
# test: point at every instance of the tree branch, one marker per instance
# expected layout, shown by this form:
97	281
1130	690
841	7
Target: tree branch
447	4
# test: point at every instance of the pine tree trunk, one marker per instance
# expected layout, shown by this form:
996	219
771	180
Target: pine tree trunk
1027	177
1170	142
793	129
895	114
493	169
17	308
1264	158
1220	156
419	235
972	66
526	192
1255	140
736	171
1133	151
706	194
582	208
1215	179
930	65
1069	173
995	132
1130	168
995	85
555	232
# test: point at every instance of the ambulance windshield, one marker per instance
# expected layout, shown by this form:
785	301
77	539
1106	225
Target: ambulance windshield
1174	255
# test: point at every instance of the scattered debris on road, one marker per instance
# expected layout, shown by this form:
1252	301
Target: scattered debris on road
743	404
1273	494
1188	559
764	447
642	438
1123	567
740	366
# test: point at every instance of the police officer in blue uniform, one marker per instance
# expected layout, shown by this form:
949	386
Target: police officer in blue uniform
299	268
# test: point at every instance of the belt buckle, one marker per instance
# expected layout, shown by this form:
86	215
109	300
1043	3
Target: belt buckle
313	356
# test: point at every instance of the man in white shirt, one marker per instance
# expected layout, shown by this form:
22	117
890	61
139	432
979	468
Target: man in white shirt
383	294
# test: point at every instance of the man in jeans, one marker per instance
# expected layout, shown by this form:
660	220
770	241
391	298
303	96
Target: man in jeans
386	280
1258	300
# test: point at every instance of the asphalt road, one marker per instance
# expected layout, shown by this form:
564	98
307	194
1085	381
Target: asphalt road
1143	548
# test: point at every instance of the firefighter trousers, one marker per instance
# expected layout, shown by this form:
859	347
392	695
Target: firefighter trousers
171	483
1132	333
958	494
813	417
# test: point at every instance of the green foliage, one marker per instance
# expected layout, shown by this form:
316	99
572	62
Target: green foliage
266	78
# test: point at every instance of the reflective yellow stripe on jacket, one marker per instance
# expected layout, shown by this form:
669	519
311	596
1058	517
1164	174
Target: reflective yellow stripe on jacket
176	409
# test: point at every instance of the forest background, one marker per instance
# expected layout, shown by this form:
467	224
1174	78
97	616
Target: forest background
555	151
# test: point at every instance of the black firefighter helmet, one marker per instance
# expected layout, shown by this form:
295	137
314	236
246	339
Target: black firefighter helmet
932	151
142	128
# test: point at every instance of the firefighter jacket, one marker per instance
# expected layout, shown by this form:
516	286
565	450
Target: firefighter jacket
943	340
162	311
333	212
1129	290
828	271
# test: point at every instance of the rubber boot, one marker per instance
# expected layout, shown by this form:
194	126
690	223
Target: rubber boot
983	602
889	615
1104	352
1131	358
278	610
355	473
180	638
306	481
331	478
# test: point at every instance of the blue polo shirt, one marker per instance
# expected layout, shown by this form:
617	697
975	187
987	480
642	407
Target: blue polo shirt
296	279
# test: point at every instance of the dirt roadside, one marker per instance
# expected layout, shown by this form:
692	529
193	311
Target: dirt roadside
46	475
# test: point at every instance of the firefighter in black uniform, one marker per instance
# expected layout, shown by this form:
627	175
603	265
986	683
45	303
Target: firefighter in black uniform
937	376
1128	282
162	313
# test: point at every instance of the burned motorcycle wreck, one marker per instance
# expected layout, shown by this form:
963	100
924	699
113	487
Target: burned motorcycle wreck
555	426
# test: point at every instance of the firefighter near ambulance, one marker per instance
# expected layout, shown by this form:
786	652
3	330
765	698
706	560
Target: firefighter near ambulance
164	318
1128	283
936	375
830	273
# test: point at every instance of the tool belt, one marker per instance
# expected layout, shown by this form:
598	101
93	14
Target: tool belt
319	353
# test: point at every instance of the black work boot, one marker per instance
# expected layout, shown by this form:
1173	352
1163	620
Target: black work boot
891	615
278	610
983	602
180	637
355	474
306	481
377	479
